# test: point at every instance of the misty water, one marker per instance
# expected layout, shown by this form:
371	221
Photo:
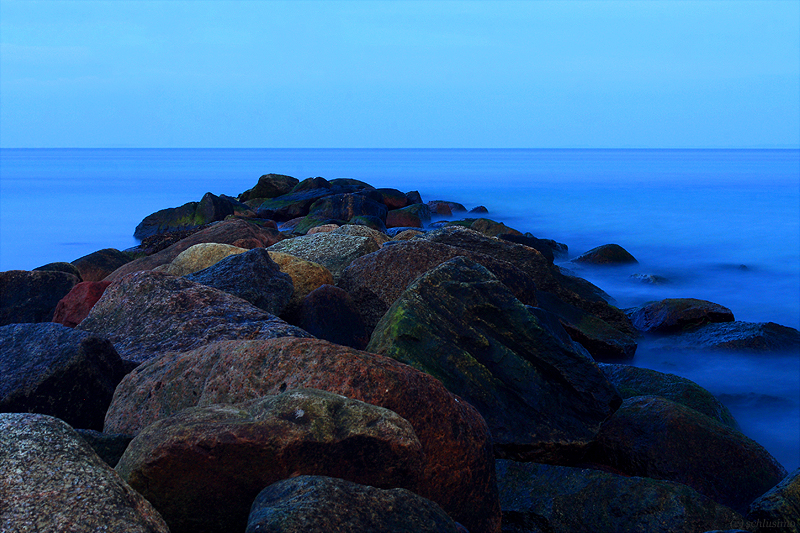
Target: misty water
720	225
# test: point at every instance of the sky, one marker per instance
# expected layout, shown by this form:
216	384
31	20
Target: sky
400	74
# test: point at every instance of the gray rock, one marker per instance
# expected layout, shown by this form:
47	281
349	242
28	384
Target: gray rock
777	510
334	251
675	314
753	337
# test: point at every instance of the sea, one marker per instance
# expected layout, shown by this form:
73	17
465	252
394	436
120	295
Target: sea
719	225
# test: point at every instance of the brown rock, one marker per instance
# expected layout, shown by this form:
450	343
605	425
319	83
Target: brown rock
97	265
306	277
75	306
201	256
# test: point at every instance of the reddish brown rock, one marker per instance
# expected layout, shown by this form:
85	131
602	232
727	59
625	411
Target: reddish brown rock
97	265
403	218
75	306
459	468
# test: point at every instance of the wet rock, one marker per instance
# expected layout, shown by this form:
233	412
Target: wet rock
51	480
675	314
347	206
778	510
607	254
203	467
306	277
318	504
54	370
329	313
459	466
75	306
27	296
657	438
312	222
109	446
542	400
270	186
226	232
97	265
69	268
252	276
754	337
210	208
200	256
557	499
632	381
333	251
147	313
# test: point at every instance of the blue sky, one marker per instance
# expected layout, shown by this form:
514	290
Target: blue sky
531	74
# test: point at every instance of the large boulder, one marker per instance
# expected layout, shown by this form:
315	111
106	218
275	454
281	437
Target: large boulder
361	230
755	337
675	314
51	480
251	276
147	313
320	504
607	254
413	216
60	266
306	277
203	467
233	232
542	399
332	250
654	437
459	467
539	498
200	256
298	201
54	370
329	313
270	186
778	510
97	265
347	206
75	306
210	208
27	296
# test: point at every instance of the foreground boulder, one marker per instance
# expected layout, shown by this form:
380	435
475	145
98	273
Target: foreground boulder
54	370
675	314
332	250
203	467
655	437
557	499
763	337
75	306
97	265
319	504
777	510
51	480
27	296
459	466
542	399
147	313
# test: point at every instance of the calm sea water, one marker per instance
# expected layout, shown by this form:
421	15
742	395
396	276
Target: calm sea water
721	225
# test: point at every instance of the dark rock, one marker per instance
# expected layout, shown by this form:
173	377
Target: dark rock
778	510
441	207
161	241
306	276
404	234
538	244
51	480
542	400
318	504
108	446
413	197
312	184
347	206
97	265
479	209
329	313
299	201
69	268
675	314
146	313
491	228
756	337
227	232
459	467
351	184
557	499
54	370
371	222
75	306
251	276
654	437
210	208
309	222
651	279
392	198
333	251
32	296
203	467
406	217
270	186
607	254
632	381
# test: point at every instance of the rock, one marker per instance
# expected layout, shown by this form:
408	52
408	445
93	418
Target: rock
75	306
376	280
51	480
480	209
227	232
203	467
607	254
251	276
754	337
406	217
147	313
459	467
558	499
318	504
413	197
632	381
329	313
441	207
778	510
351	184
270	186
547	247
69	268
407	234
363	231
298	202
210	208
347	206
200	256
371	222
312	184
310	222
491	228
325	228
542	400
32	296
306	277
333	251
392	198
650	279
654	437
97	265
109	446
54	370
675	314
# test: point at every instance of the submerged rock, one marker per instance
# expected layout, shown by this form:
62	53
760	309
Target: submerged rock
754	337
675	314
607	254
